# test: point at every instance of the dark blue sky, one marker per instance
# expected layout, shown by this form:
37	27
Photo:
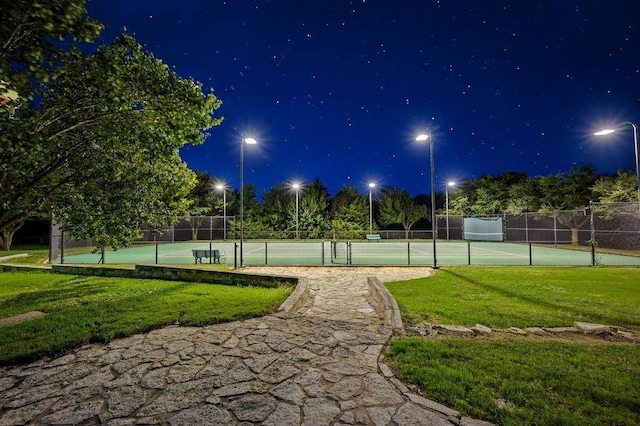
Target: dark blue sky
339	89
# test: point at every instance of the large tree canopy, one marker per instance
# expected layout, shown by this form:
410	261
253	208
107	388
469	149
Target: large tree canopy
398	207
31	36
102	142
349	214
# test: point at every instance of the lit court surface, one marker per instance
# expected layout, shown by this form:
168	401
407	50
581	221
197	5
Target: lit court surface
389	252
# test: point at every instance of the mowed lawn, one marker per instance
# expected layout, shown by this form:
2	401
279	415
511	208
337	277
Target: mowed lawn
525	380
82	309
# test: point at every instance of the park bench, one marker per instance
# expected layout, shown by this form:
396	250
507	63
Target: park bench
198	254
373	237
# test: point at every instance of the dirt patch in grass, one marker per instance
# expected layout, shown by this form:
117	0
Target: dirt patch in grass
22	317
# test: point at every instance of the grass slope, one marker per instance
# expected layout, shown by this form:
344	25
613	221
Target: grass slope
502	297
525	380
94	309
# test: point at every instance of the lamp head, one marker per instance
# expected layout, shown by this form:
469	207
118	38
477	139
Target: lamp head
372	185
250	141
422	137
604	132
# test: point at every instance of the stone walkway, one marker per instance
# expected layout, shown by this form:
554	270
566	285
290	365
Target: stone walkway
318	366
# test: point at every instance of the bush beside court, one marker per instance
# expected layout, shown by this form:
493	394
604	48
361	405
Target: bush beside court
83	309
516	380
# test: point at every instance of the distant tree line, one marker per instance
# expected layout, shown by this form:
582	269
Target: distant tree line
346	215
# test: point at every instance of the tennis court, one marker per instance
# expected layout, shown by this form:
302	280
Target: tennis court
394	252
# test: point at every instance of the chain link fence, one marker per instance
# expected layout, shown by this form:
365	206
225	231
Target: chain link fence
607	225
600	228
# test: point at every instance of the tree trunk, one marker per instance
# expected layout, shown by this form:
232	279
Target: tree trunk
406	232
7	238
574	236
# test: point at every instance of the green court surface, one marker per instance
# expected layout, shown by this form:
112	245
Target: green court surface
390	252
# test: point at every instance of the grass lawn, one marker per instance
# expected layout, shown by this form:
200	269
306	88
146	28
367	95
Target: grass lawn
95	309
501	297
519	380
37	253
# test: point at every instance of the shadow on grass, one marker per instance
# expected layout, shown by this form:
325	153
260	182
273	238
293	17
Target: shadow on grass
594	316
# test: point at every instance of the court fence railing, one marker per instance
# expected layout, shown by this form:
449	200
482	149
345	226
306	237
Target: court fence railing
600	228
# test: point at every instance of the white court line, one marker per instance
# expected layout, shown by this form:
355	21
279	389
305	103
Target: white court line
479	249
489	251
245	252
182	253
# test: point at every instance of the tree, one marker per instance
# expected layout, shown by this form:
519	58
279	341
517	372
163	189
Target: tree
349	214
30	38
251	222
618	193
273	210
397	207
111	210
313	210
620	188
566	194
200	202
118	111
523	197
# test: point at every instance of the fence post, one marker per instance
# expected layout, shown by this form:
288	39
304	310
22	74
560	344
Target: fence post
468	252
235	255
408	252
62	247
322	253
155	239
592	228
555	228
530	255
210	252
265	253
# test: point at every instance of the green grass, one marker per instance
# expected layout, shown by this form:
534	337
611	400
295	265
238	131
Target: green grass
95	309
539	382
37	254
501	297
531	380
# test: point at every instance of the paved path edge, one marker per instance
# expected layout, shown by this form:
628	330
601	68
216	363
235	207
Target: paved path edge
298	298
391	310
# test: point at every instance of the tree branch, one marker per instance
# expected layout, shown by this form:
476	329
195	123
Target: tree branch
16	31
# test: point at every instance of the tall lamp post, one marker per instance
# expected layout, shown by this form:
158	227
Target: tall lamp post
296	186
248	141
446	197
421	138
221	187
635	144
371	186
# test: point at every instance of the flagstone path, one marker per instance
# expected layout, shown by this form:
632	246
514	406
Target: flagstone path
316	366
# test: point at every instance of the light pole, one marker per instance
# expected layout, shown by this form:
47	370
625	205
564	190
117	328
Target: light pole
221	187
635	144
248	141
371	186
421	138
296	186
446	196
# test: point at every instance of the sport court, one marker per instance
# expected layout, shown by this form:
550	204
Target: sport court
378	253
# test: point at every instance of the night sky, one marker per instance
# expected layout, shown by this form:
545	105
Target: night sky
339	89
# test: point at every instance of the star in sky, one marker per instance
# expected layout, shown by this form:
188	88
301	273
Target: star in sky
339	89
